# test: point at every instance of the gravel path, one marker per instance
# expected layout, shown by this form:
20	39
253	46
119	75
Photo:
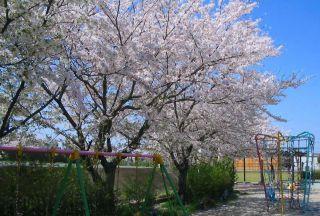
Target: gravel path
251	202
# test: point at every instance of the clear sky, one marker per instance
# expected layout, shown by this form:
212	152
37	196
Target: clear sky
295	24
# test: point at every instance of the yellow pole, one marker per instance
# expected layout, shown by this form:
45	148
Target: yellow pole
280	172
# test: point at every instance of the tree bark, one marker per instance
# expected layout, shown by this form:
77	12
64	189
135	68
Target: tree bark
110	171
92	171
183	167
182	183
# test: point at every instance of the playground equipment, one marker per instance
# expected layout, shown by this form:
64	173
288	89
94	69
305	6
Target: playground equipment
75	157
286	169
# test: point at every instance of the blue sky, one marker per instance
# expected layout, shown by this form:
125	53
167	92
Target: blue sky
295	24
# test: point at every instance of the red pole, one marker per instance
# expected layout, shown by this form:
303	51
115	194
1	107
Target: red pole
261	170
244	169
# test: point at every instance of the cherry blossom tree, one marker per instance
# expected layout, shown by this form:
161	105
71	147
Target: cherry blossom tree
133	63
30	40
219	121
122	72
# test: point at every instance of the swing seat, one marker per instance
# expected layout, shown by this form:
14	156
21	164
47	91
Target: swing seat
271	194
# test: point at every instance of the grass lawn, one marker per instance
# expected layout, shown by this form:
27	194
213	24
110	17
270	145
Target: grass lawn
251	176
254	176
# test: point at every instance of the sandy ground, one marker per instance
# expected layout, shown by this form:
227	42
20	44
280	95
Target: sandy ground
251	202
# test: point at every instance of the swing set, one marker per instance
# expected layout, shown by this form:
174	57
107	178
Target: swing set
75	158
286	169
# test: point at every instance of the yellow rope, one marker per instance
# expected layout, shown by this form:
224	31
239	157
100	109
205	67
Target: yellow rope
20	151
53	152
120	156
96	160
96	154
137	158
52	156
18	197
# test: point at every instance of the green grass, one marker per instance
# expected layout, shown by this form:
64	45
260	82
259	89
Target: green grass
253	176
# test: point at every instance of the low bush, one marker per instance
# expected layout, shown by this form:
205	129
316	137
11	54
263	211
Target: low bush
316	174
37	186
209	183
33	190
134	193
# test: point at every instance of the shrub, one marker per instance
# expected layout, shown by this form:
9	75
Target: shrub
209	183
38	187
36	190
316	174
134	193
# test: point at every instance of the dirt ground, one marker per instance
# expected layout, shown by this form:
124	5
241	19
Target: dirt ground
251	202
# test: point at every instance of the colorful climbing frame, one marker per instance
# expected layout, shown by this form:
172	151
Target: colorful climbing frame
286	165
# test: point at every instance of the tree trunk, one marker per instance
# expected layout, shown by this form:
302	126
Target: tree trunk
110	193
183	168
110	171
92	171
182	183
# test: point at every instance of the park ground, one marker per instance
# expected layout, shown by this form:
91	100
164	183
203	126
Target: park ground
251	203
252	176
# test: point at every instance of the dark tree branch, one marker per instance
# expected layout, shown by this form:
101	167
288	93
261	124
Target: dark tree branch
124	101
104	94
104	129
6	118
185	117
87	84
81	137
135	142
117	95
31	115
62	107
50	3
8	19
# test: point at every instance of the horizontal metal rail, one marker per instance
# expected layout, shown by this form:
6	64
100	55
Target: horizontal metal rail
67	152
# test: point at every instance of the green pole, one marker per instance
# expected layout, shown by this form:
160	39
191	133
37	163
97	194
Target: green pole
82	188
148	188
167	191
62	188
174	190
306	177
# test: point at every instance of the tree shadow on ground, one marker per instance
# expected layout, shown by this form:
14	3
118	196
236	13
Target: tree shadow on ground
248	204
252	203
